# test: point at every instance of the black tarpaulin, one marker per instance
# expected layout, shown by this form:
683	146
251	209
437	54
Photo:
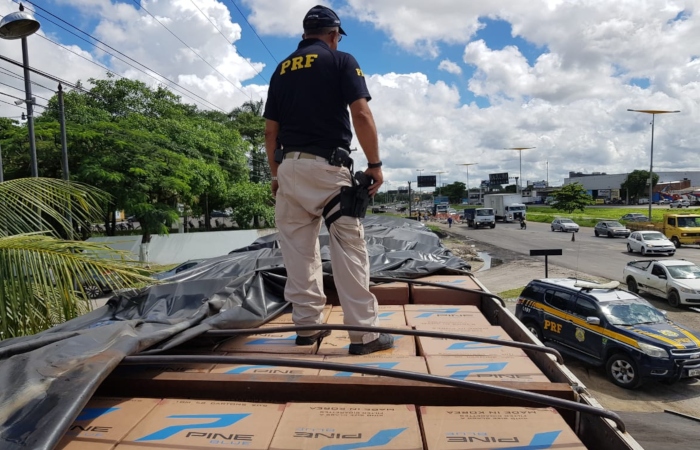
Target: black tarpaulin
46	379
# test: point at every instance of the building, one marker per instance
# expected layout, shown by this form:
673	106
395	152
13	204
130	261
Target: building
601	185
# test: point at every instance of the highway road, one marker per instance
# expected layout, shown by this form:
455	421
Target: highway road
600	256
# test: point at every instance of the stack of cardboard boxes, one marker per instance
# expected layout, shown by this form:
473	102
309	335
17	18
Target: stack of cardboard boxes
139	424
150	424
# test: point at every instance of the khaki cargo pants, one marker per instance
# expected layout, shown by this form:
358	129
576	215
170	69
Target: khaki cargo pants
306	184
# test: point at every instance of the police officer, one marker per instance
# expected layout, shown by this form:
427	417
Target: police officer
307	117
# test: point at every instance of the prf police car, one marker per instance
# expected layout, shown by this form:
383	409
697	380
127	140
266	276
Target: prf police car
604	326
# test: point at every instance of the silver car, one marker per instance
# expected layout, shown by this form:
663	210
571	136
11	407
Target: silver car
680	204
564	225
611	229
650	242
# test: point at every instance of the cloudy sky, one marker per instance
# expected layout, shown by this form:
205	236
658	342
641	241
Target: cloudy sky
453	81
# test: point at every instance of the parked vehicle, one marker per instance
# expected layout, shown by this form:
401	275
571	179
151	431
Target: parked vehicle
97	284
678	228
679	204
634	217
480	217
217	213
650	242
611	229
507	207
676	280
611	328
187	265
643	201
564	225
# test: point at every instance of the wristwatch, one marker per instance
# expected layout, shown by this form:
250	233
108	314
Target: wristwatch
374	165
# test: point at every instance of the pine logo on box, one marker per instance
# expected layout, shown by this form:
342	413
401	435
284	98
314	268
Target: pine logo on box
378	365
433	311
273	341
468	345
222	421
381	438
94	413
482	367
540	441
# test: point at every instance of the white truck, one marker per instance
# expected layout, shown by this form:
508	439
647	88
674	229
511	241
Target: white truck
507	207
480	217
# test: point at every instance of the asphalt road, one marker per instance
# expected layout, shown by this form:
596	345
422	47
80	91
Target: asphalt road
600	256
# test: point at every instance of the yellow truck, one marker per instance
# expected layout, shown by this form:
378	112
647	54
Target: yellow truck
681	229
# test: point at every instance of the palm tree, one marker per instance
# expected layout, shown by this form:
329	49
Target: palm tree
43	265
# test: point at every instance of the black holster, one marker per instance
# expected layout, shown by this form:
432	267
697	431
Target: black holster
353	200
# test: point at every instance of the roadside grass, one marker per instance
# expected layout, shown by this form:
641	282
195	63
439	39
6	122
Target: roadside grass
511	293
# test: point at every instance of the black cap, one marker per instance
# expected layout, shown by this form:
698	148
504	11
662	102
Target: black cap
322	17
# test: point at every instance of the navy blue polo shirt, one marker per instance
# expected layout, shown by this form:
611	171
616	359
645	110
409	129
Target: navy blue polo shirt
309	96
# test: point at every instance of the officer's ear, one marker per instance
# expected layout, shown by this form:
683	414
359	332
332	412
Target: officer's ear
303	36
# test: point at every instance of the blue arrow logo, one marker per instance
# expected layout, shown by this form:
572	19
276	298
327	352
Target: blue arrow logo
478	367
94	413
222	421
380	439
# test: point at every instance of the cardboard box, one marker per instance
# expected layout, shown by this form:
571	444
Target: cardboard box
486	368
338	343
407	363
207	424
286	318
315	426
264	370
475	427
109	419
75	444
432	295
389	316
396	293
155	370
464	315
266	343
429	346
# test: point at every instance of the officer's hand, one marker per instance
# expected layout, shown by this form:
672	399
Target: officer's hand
378	177
274	186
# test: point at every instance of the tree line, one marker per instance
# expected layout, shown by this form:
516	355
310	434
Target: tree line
152	153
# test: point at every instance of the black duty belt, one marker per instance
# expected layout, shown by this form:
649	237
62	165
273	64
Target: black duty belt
317	151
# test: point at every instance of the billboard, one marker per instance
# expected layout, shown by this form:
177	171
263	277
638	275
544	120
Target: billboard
426	181
498	178
403	189
393	192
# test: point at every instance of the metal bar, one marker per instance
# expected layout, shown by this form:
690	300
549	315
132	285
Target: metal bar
402	374
406	332
30	109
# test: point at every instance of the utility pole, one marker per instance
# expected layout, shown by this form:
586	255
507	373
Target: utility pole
64	143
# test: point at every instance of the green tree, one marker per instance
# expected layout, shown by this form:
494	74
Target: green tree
39	272
253	202
455	191
571	197
637	183
249	122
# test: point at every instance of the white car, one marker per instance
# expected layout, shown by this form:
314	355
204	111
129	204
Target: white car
650	242
564	225
677	280
679	204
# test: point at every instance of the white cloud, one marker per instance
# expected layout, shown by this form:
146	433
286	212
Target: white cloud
570	102
450	66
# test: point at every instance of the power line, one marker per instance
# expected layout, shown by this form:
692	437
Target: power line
11	104
20	98
136	2
146	72
19	77
224	36
22	90
253	29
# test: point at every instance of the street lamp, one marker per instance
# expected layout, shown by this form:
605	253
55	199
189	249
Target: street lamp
520	150
438	173
467	165
420	189
653	113
19	25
